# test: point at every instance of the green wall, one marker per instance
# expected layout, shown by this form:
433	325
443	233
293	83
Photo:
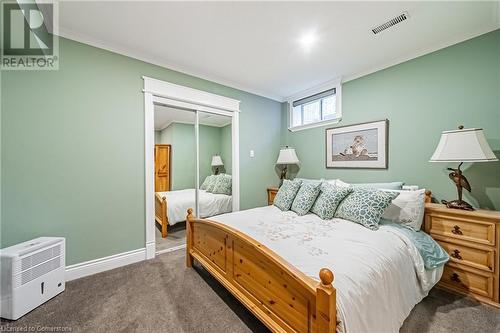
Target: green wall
210	144
182	138
166	135
67	168
421	98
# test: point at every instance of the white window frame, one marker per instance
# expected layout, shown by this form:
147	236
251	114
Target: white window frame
335	84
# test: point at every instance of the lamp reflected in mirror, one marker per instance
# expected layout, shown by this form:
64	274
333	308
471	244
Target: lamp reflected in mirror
217	163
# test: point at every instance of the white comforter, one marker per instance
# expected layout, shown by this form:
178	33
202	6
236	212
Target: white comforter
379	275
179	201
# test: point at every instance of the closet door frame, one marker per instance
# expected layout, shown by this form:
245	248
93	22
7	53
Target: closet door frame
166	93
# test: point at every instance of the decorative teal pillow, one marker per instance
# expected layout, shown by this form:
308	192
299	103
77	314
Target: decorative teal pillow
286	194
365	206
329	199
305	198
208	181
212	183
379	186
223	185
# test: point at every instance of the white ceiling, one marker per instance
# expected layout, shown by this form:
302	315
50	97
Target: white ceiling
254	45
165	115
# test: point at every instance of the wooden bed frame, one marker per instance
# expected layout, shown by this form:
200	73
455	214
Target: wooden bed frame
161	216
282	297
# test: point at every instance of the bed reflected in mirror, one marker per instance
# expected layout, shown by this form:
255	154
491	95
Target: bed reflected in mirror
175	174
215	179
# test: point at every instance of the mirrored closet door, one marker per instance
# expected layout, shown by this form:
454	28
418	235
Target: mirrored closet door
193	169
175	174
215	164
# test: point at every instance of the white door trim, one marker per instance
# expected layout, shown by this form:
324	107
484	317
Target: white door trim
149	176
162	92
197	162
190	95
235	126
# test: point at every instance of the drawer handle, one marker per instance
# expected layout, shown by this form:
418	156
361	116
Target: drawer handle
455	278
456	254
456	230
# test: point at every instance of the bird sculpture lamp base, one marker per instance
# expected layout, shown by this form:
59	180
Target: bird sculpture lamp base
282	176
460	182
458	204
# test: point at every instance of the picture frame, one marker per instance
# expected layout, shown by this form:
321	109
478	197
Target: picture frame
360	146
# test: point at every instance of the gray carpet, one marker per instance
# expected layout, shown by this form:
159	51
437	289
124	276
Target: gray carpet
176	236
162	295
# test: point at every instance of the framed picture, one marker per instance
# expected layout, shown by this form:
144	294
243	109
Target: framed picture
357	146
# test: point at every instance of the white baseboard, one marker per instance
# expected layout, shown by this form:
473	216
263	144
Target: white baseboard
90	267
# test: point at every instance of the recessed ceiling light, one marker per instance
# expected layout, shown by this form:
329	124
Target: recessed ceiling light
308	39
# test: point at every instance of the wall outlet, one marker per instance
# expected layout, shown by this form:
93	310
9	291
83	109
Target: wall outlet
252	153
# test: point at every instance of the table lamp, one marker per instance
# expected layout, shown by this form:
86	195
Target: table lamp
286	157
217	162
462	145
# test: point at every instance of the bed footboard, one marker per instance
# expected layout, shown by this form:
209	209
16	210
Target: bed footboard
281	296
161	216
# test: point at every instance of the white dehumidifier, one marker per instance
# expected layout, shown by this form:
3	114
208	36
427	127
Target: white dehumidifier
31	273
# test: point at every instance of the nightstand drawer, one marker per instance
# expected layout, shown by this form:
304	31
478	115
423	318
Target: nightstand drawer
466	281
475	231
271	197
271	193
478	258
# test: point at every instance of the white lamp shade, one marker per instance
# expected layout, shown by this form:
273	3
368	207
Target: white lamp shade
463	145
287	156
217	161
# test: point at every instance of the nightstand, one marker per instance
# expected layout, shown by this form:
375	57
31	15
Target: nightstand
472	239
271	193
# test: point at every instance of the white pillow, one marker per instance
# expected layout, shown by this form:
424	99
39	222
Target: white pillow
407	209
310	181
340	183
376	186
337	182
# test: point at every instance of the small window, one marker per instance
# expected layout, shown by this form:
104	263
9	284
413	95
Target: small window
315	110
311	112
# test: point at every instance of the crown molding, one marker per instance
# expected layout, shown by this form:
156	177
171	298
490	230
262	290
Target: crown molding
137	54
421	52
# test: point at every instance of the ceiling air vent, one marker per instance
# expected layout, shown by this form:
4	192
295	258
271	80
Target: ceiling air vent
390	23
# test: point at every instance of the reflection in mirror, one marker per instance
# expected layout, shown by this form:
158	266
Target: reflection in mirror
215	151
175	174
